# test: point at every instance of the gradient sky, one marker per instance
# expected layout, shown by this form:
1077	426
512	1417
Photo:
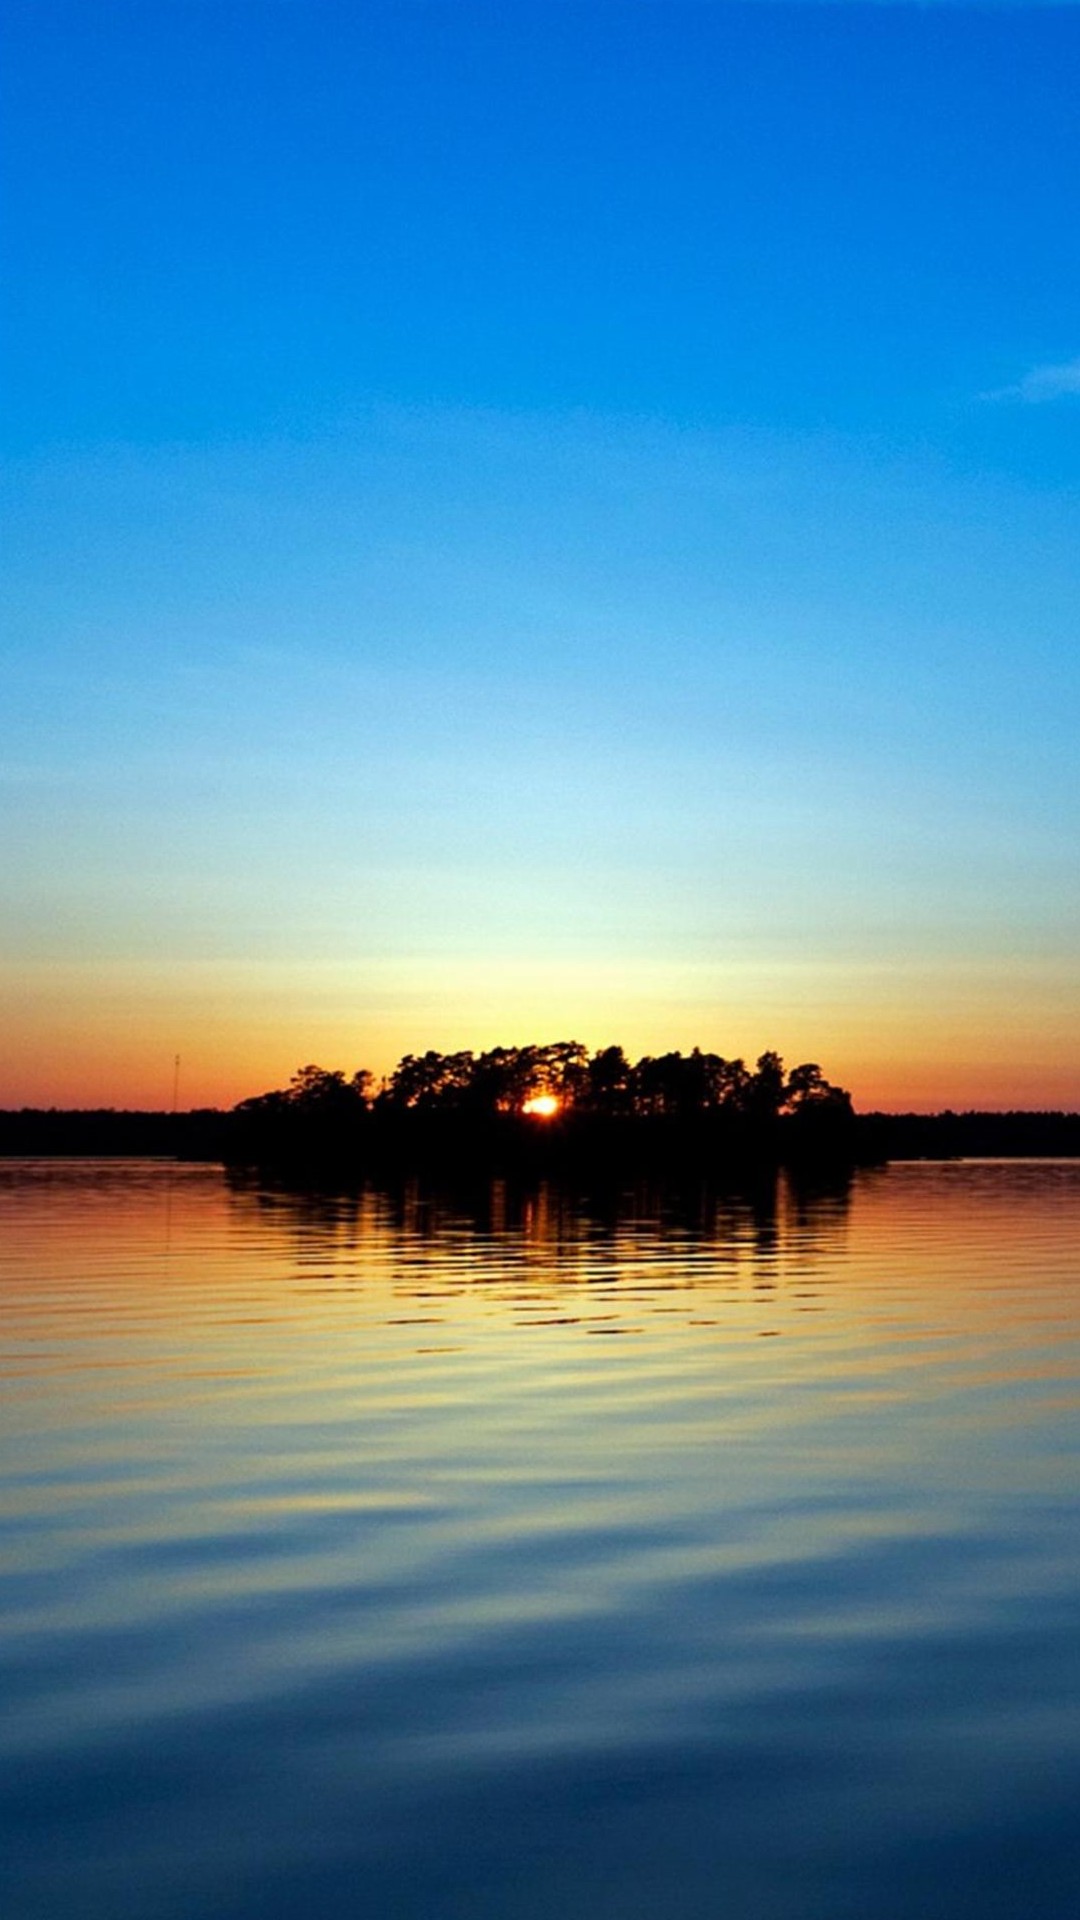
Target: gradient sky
540	521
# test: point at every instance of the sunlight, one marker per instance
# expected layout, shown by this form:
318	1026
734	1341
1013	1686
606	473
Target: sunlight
543	1105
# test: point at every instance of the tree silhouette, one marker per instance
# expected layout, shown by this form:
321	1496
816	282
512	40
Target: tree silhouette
697	1097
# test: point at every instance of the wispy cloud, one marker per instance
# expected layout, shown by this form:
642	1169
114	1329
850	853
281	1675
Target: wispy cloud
1052	382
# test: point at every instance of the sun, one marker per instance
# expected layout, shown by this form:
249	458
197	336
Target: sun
542	1105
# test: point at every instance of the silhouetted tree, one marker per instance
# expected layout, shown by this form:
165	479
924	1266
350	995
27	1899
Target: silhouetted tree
560	1068
431	1081
698	1102
763	1094
608	1082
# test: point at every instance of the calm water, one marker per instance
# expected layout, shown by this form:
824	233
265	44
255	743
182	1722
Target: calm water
507	1557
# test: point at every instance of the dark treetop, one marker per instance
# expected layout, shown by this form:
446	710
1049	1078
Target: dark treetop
555	1105
479	1112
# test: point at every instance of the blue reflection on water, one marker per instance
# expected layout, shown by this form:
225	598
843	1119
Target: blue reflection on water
349	1571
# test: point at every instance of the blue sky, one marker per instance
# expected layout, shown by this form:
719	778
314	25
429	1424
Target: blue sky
551	520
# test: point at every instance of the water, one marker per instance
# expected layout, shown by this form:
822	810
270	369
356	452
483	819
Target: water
504	1556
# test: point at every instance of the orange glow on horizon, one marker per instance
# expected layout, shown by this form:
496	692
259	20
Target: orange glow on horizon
90	1034
543	1106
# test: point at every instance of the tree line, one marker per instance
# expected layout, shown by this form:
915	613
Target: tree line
606	1083
602	1102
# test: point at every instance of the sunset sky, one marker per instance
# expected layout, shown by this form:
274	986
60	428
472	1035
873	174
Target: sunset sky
540	521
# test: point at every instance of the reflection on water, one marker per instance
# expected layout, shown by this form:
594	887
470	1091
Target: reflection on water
498	1554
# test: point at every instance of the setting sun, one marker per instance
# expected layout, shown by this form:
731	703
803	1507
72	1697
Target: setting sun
543	1105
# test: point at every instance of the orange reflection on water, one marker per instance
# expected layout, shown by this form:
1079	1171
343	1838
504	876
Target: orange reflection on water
129	1265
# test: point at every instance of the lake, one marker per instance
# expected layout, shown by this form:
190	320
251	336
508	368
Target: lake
502	1554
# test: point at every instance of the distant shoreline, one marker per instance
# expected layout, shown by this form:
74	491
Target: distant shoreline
212	1134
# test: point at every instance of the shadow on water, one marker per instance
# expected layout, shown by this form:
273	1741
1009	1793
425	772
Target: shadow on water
775	1207
638	1242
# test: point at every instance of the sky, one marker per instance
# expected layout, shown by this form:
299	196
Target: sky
541	521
